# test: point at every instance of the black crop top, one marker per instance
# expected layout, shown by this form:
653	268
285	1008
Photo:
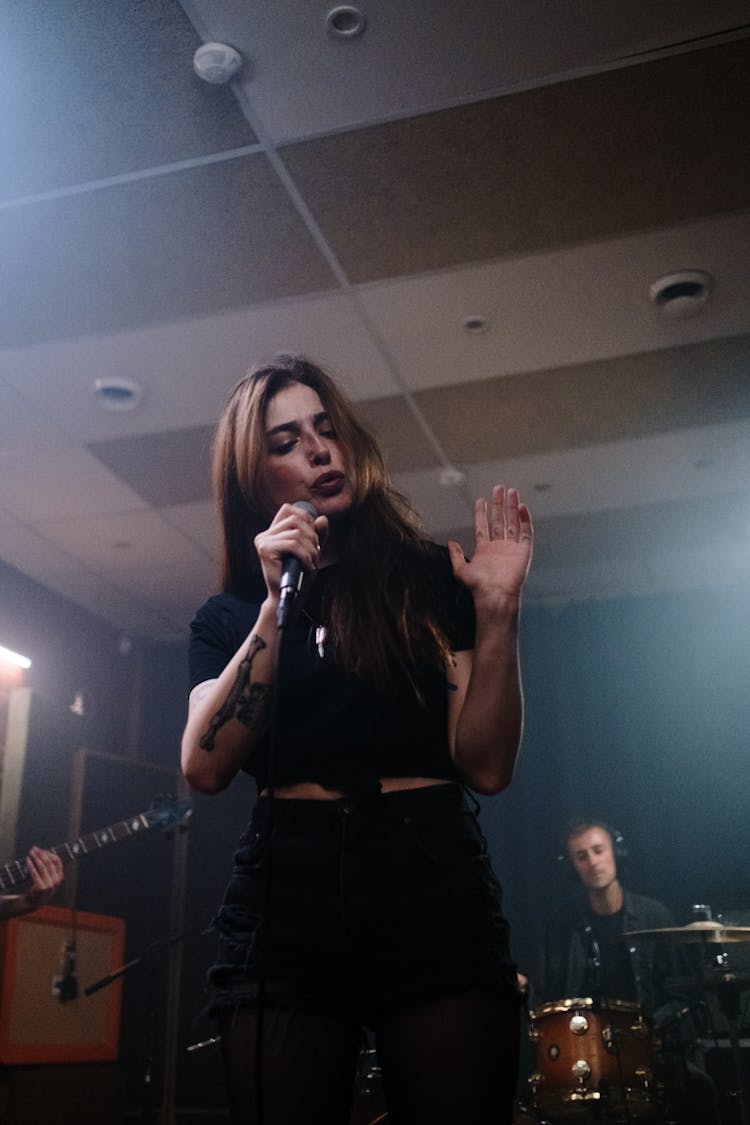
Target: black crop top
333	729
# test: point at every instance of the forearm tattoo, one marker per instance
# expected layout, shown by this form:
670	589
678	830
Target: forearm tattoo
245	701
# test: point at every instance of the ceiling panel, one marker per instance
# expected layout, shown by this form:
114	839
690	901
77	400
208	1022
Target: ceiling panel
420	55
87	88
536	165
570	407
113	545
171	467
601	156
145	251
187	367
57	483
568	306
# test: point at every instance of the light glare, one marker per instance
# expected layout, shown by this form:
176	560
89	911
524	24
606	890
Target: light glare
11	657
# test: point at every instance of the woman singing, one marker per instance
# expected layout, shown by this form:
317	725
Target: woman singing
397	684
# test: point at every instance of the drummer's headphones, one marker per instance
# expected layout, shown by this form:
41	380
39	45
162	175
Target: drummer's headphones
577	828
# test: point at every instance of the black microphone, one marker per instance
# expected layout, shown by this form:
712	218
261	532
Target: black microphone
594	958
291	574
66	986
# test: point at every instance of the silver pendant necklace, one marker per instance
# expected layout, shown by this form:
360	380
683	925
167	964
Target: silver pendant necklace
320	635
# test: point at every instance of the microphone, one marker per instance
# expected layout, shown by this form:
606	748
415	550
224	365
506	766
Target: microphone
291	574
593	958
66	986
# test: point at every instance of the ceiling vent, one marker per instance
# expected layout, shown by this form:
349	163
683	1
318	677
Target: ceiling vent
683	293
113	393
346	22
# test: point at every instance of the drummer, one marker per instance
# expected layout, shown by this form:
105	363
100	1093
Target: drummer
583	955
582	952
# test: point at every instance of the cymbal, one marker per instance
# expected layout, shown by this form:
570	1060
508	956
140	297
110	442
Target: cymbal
694	933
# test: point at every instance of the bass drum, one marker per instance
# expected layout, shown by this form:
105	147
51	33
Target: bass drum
593	1056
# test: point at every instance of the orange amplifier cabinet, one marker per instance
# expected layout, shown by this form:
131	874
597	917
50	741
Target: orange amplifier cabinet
36	1026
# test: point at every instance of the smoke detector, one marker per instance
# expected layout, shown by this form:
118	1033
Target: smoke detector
683	293
216	63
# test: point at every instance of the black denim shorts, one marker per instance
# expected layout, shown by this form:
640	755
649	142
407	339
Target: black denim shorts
374	903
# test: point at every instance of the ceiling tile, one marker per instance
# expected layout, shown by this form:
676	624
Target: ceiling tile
87	89
197	521
561	307
398	433
603	155
597	402
32	553
172	467
415	56
112	545
143	251
703	461
59	483
23	426
187	368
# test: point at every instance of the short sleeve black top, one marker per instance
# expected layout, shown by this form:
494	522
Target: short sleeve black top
333	729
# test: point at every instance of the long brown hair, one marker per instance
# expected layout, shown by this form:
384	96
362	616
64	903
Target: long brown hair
379	617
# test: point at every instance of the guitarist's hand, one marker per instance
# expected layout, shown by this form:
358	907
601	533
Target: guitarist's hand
46	871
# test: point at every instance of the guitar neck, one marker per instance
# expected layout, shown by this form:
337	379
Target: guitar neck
15	875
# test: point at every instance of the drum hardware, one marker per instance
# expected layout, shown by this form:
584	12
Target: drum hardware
580	1070
728	987
719	979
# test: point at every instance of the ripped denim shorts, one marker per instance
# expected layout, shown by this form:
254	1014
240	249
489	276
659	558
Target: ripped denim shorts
373	904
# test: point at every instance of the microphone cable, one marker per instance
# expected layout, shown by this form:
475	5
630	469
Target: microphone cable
267	853
291	582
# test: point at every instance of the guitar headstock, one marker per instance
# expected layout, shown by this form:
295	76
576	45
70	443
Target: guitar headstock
168	814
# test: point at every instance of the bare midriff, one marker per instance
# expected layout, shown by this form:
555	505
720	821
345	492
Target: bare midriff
311	791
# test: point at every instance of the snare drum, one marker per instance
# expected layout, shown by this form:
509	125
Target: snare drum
590	1054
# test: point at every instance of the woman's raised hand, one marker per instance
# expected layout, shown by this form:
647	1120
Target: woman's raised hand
502	554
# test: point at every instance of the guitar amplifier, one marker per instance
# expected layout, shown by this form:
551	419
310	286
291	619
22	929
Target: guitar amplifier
47	959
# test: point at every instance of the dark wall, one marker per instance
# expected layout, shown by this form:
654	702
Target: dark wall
71	651
638	712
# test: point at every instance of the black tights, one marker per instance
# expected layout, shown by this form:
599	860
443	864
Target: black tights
451	1061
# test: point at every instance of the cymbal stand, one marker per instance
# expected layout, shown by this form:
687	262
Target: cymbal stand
728	994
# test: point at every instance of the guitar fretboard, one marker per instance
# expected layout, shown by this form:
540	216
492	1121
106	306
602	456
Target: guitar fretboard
15	874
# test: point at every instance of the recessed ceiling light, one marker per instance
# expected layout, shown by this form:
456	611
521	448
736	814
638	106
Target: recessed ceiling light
683	293
452	477
346	22
112	393
475	324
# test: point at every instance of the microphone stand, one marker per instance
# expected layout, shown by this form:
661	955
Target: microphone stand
145	961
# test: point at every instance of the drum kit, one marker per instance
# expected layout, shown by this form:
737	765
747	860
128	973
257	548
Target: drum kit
598	1060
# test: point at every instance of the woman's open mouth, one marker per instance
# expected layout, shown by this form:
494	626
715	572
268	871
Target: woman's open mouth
328	484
